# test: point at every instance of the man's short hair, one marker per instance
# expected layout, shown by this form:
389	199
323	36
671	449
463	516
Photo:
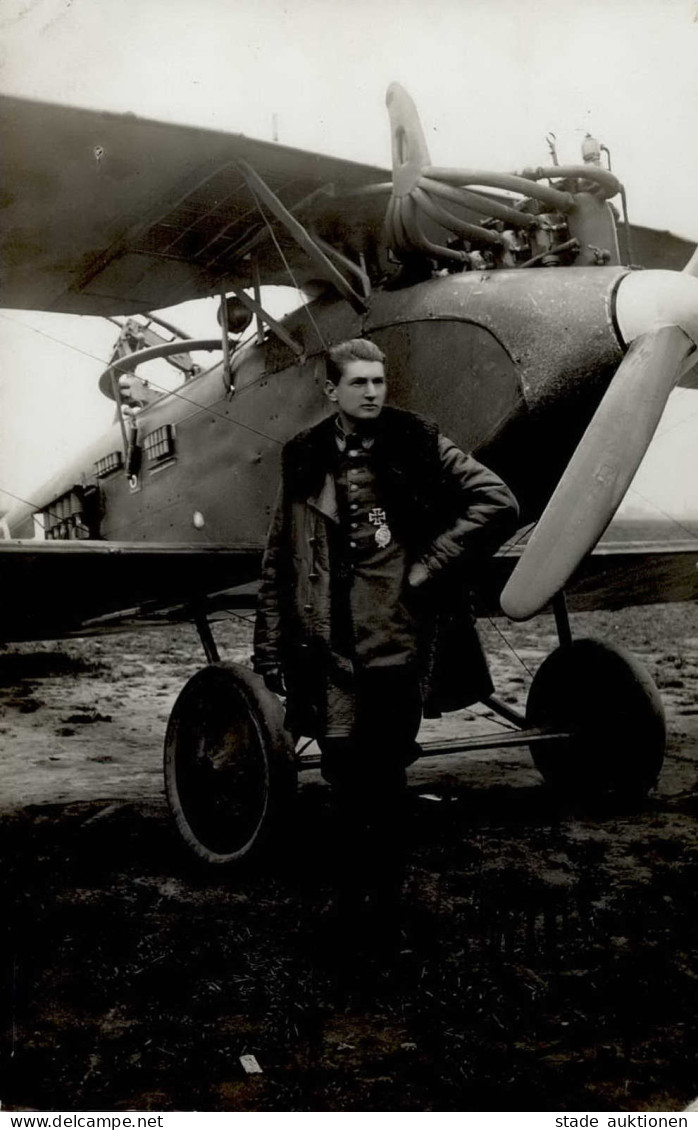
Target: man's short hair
356	349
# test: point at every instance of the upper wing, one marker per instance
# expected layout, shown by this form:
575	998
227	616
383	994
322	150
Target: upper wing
659	249
109	213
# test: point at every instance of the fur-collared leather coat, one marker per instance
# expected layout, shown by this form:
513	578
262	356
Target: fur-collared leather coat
447	510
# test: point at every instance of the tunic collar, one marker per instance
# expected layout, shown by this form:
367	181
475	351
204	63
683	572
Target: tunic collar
354	439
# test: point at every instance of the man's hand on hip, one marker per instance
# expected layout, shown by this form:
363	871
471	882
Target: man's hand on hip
417	575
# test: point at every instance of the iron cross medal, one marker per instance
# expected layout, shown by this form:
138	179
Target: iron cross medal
382	535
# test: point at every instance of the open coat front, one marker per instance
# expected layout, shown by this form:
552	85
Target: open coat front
448	511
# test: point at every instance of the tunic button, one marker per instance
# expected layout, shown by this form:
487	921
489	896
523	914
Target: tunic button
354	506
307	608
352	544
353	486
354	525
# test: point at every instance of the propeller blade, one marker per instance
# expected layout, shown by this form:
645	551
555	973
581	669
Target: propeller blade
689	376
600	471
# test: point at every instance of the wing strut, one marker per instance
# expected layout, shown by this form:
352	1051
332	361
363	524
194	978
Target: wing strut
302	237
261	313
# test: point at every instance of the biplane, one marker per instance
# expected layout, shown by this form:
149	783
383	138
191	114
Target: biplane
512	312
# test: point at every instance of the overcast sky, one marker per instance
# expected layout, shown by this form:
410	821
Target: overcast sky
490	77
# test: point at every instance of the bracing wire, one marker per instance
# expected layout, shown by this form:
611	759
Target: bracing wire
655	506
491	621
288	267
248	618
42	333
662	432
153	384
511	647
520	535
26	502
212	412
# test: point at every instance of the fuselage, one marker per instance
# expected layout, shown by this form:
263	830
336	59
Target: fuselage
510	364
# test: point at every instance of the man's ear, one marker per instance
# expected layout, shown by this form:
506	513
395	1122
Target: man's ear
330	390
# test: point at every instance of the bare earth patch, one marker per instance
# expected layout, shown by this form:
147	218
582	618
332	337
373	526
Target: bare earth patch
548	958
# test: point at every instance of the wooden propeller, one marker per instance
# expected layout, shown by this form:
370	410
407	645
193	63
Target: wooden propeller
657	312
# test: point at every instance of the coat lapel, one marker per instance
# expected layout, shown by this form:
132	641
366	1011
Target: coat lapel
326	499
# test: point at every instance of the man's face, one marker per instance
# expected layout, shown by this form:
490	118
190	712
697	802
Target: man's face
360	393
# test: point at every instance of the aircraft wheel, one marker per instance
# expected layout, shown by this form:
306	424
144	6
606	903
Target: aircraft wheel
607	700
230	770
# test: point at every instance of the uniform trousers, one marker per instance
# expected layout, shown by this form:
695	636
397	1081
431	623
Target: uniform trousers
367	773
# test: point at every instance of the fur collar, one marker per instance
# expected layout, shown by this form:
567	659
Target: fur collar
403	441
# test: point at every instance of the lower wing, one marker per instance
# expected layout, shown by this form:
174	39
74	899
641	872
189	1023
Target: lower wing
620	572
53	589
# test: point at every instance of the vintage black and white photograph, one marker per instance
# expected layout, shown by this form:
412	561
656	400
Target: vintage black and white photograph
349	556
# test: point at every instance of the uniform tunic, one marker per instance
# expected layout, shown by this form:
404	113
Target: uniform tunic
373	625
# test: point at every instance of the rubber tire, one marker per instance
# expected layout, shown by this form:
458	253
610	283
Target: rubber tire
230	769
608	701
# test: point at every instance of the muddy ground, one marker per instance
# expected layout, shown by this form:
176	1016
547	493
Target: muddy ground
548	958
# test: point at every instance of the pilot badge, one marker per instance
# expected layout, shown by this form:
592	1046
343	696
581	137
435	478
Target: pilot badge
382	536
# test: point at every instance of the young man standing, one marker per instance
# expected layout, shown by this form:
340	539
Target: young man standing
364	591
